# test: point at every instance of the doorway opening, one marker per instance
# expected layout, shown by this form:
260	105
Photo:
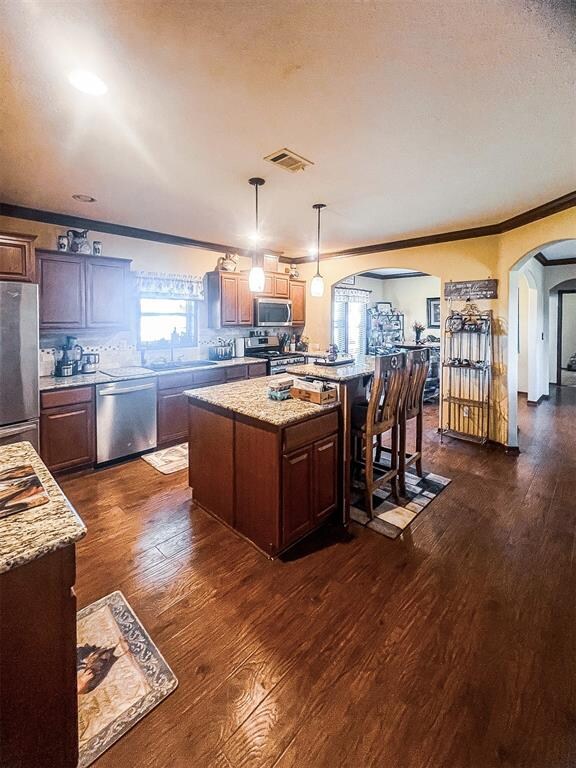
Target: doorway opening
566	341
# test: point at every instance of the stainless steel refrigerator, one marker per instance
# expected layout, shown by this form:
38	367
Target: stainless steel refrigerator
19	363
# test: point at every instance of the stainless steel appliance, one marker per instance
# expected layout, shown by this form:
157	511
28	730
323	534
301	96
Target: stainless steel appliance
268	348
90	362
272	313
19	363
125	418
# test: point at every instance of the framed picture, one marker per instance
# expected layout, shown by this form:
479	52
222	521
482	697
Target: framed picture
384	306
433	313
348	280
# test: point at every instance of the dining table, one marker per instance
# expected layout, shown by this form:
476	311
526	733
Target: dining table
352	381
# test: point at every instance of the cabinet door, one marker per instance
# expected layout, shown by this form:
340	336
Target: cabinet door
107	283
62	291
229	300
297	515
67	436
257	369
245	302
325	477
172	416
281	287
298	296
17	257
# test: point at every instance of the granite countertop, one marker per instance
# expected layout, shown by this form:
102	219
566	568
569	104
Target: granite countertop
363	366
250	398
28	535
86	379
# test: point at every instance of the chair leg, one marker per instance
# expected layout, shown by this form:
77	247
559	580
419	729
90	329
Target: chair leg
378	449
394	465
369	477
419	443
402	457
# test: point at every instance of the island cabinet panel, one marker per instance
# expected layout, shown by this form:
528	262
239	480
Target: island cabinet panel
107	304
298	296
67	431
257	473
297	478
17	257
211	461
39	722
325	479
172	416
257	369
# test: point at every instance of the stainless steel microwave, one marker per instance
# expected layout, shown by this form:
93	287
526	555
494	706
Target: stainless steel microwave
272	313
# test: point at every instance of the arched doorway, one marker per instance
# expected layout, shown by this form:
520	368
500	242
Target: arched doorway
538	268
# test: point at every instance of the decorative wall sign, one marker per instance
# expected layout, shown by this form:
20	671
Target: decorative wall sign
471	289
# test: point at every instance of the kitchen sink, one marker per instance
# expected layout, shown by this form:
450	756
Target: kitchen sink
176	364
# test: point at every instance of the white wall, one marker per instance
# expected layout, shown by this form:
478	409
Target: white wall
523	334
568	327
554	277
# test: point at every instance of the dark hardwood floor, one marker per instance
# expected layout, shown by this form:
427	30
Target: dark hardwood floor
453	647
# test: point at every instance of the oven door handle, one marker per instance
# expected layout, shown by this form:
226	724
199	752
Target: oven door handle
9	431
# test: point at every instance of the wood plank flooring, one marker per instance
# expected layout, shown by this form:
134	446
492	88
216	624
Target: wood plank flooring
453	647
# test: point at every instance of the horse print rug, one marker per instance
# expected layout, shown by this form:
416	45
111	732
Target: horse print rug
169	460
121	674
390	519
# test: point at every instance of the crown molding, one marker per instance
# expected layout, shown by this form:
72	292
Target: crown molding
392	275
520	220
69	220
554	262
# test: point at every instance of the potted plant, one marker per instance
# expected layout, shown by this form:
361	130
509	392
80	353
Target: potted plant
417	327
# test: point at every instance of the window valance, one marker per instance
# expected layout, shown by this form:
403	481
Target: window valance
165	285
352	295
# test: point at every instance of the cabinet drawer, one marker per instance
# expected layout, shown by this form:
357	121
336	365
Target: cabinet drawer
70	396
183	380
236	372
309	431
209	377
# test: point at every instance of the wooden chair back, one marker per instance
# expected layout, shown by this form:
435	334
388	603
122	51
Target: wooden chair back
387	395
418	363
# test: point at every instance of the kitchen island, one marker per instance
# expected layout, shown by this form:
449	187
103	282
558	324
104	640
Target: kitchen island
39	722
267	469
351	381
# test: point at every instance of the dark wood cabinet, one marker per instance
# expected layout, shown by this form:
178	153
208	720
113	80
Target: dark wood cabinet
297	477
62	279
172	416
107	293
281	287
257	369
67	431
17	261
38	699
298	296
82	292
325	480
245	302
229	299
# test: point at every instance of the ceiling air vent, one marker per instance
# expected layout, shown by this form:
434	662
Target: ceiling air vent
288	160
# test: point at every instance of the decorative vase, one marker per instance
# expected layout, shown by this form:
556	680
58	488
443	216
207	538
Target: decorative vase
418	333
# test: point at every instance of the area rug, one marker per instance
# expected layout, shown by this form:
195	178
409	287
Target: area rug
391	519
169	460
121	674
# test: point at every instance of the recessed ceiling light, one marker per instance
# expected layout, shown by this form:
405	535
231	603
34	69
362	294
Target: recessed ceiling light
87	82
84	198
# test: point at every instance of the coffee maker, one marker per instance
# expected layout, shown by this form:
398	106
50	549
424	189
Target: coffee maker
70	363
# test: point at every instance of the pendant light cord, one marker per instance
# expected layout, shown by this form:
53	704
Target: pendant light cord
318	246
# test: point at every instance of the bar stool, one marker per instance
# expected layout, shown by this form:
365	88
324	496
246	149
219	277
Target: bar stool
372	419
418	364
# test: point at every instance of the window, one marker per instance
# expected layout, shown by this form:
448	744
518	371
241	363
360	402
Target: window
165	322
349	321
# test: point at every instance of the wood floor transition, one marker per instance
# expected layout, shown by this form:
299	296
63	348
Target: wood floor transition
454	647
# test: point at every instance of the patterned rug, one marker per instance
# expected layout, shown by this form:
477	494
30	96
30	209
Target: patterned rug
121	674
389	518
169	460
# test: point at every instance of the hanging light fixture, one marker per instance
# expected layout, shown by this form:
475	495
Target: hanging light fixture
317	283
256	277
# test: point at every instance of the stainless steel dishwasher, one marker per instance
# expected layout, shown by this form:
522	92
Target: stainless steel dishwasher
125	418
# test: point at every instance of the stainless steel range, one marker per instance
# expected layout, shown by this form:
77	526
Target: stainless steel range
268	348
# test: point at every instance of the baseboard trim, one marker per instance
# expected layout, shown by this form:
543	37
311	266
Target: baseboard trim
511	450
534	403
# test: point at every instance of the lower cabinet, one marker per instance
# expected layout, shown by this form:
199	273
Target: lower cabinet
310	493
38	700
67	430
172	416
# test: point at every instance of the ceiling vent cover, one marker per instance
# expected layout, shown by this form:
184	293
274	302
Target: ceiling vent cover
288	160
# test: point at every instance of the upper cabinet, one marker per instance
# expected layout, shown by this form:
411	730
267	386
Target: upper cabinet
231	303
17	257
79	291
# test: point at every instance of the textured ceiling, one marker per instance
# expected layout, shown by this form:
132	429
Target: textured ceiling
419	117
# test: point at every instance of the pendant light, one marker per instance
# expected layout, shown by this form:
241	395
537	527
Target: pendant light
317	283
256	277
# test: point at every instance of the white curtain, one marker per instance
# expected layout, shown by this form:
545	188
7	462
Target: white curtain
165	285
